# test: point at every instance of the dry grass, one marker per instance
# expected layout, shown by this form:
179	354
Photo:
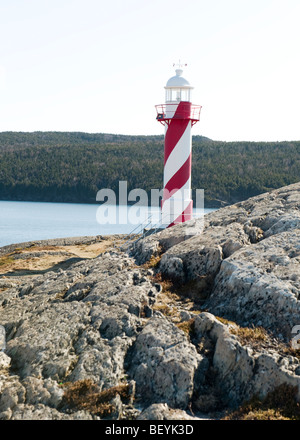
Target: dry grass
225	321
164	309
85	395
153	263
195	291
167	298
7	260
51	257
268	414
258	337
280	404
187	326
167	286
288	350
170	301
248	335
168	292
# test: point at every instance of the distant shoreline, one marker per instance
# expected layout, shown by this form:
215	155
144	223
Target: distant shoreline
208	205
68	241
71	167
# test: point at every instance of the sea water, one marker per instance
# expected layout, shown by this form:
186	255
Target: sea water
29	221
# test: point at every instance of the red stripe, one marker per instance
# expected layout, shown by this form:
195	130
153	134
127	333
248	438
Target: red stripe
186	215
175	131
178	179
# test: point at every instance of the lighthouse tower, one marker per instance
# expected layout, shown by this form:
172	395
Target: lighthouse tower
178	115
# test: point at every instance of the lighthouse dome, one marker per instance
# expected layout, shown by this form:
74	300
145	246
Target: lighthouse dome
178	80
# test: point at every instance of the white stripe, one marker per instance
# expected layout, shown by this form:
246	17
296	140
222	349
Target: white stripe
179	155
183	194
171	211
171	109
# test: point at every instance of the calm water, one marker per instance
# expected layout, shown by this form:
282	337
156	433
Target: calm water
28	221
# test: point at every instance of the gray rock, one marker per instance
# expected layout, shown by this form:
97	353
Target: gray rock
5	361
164	363
42	412
12	393
172	267
55	334
161	411
39	391
2	338
243	371
261	284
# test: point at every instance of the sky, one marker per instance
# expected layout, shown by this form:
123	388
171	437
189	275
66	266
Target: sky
100	66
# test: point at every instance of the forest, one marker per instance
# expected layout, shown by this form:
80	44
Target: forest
73	166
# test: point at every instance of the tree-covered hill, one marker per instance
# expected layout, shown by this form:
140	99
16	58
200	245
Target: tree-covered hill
72	167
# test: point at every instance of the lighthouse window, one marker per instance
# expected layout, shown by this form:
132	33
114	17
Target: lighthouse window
185	94
177	95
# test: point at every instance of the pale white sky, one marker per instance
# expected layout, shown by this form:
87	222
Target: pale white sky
101	66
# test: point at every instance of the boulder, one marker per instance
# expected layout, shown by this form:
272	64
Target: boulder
260	285
161	411
244	370
164	364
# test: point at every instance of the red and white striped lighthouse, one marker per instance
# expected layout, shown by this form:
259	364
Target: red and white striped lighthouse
178	115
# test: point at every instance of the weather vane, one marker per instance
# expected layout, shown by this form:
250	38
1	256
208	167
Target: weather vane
179	64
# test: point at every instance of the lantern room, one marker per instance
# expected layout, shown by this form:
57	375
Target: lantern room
178	88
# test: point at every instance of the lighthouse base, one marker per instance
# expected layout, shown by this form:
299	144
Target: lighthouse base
176	211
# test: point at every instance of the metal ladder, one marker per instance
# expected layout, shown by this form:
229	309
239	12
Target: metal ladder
134	237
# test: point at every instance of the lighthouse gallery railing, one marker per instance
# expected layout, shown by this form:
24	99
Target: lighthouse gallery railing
186	110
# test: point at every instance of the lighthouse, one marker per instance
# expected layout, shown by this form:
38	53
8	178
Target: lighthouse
178	115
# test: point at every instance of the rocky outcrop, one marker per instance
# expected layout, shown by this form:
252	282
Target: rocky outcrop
94	322
245	262
191	322
165	365
242	369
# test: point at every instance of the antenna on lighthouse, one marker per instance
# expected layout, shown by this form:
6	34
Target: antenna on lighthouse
179	64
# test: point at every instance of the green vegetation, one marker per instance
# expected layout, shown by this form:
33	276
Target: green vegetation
72	167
